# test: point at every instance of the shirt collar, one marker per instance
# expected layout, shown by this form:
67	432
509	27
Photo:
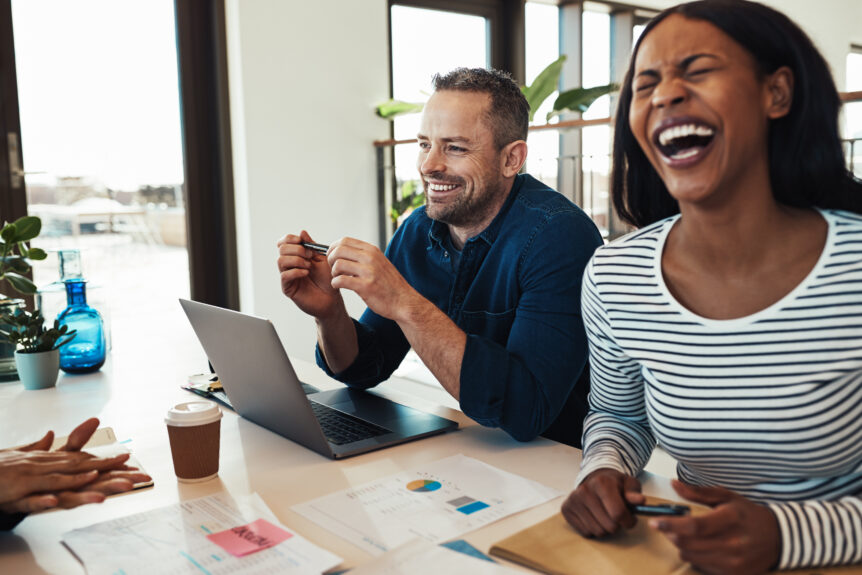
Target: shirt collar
439	230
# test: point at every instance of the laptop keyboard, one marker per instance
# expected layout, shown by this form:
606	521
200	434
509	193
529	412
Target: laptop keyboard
341	428
220	396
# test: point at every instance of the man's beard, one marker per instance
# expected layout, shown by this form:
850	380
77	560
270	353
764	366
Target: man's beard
467	209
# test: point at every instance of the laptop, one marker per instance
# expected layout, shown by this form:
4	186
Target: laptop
262	386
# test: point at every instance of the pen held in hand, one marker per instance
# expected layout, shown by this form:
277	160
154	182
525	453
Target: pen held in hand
661	509
319	248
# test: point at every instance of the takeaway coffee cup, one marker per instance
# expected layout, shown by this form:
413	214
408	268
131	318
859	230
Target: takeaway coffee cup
194	429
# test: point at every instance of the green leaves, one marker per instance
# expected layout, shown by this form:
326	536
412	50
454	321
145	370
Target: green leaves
411	198
27	331
579	99
27	228
37	254
392	108
14	237
9	233
544	85
20	283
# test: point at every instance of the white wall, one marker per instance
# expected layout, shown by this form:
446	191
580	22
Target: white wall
304	79
832	25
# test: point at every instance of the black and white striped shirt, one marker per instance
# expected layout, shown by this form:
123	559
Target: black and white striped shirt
768	405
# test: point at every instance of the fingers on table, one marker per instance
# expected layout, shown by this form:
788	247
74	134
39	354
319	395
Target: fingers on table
81	435
42	445
30	504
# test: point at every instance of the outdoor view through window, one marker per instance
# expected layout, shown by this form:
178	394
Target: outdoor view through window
102	150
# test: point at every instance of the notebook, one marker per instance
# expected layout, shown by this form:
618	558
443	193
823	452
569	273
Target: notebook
553	546
262	386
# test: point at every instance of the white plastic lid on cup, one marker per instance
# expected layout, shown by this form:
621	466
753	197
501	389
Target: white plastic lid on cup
192	413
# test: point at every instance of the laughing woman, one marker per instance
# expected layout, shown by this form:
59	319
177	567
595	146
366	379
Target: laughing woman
729	327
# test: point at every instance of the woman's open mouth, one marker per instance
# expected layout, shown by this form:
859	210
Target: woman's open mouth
683	144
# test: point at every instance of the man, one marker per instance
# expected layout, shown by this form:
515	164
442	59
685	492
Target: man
483	282
33	479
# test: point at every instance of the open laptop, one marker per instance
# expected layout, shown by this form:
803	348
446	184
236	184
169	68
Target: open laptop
262	386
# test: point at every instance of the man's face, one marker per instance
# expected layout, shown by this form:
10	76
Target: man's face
458	161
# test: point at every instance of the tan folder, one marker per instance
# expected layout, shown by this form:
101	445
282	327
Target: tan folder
552	546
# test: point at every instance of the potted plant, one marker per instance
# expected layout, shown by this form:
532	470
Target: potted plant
38	349
15	257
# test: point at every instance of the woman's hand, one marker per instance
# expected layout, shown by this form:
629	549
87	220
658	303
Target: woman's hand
737	537
600	504
34	479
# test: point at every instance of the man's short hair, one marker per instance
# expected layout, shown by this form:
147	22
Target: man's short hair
509	113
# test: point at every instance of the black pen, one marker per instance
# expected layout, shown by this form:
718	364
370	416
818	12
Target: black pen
661	509
319	248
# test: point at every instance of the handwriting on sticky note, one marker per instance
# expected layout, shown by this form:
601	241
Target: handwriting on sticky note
245	539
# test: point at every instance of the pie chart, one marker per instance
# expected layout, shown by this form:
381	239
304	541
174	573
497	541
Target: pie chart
423	485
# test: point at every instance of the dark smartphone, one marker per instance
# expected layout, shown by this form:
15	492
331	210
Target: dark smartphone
660	509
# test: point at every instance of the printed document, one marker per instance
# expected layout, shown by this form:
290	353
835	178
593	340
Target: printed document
435	502
422	558
173	540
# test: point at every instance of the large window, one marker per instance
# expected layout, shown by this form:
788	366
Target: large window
853	111
416	58
596	140
542	23
101	133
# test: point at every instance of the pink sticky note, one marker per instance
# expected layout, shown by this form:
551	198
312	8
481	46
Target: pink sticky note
245	539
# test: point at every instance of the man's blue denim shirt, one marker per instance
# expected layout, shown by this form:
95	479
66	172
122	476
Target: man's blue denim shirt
516	293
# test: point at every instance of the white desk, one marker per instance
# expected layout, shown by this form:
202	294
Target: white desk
136	386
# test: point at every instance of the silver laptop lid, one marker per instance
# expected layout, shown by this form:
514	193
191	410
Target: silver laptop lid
254	369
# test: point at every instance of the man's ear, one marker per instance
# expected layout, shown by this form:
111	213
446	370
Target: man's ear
513	156
779	90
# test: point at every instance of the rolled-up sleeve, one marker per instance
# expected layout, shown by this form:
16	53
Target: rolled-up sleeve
522	386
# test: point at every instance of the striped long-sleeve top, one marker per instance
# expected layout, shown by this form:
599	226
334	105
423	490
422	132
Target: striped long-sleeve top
768	405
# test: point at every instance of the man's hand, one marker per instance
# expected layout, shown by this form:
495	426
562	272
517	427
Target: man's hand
361	267
34	479
599	506
306	277
737	537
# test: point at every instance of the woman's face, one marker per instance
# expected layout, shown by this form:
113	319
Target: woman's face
700	111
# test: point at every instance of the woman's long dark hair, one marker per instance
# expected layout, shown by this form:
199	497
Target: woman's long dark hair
806	160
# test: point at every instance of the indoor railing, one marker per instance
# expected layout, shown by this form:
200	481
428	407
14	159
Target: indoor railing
582	177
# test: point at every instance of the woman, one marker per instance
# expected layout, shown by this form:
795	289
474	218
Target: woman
729	326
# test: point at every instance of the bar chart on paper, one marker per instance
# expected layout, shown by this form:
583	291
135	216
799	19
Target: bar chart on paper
435	502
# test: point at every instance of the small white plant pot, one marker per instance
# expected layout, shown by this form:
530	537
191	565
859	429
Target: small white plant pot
38	370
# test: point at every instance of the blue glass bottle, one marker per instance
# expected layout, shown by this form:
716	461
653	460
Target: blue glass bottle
86	352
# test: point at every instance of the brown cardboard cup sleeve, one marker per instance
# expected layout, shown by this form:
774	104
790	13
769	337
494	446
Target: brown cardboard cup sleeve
194	430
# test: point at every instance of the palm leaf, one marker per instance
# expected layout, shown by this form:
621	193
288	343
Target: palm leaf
545	84
392	108
579	99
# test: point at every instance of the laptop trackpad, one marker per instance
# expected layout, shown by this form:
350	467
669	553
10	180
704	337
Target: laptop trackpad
363	405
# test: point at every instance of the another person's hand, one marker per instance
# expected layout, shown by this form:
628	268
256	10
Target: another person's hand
34	479
306	277
361	267
737	537
600	504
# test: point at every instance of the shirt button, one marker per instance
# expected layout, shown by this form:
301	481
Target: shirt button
445	254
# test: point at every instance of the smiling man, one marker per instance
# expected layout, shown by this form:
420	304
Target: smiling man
483	282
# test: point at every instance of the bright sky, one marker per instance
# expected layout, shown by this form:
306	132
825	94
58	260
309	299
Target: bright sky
98	92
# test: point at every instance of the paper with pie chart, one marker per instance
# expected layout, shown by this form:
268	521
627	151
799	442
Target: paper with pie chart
436	502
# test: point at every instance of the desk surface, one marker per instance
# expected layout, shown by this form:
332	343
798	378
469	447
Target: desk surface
136	386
